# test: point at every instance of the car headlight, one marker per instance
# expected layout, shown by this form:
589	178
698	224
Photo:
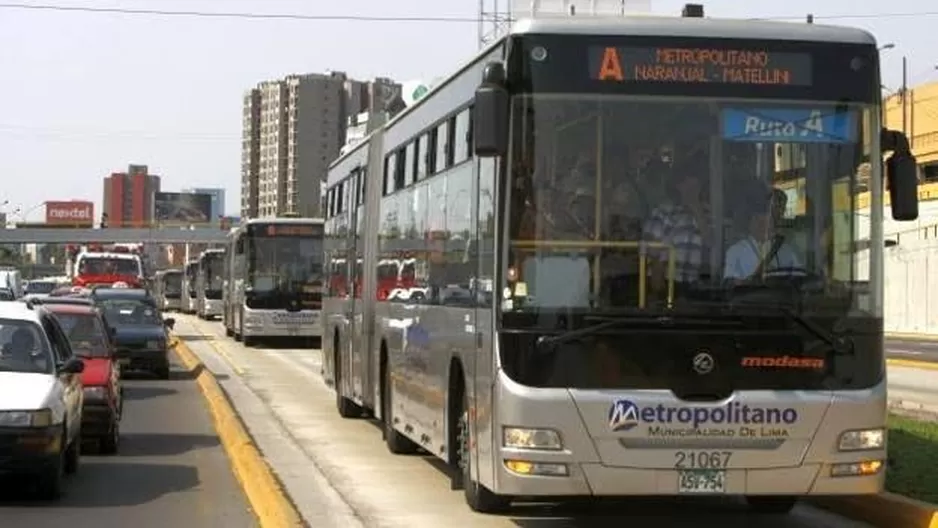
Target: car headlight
40	418
862	440
526	438
95	393
155	345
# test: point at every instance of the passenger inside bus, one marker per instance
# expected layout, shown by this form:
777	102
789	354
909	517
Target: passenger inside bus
763	250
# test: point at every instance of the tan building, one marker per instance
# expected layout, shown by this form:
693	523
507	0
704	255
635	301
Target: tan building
920	123
292	129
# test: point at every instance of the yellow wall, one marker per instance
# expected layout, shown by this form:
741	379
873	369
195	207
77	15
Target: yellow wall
921	119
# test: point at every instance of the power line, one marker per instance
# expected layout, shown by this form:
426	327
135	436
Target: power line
377	18
232	14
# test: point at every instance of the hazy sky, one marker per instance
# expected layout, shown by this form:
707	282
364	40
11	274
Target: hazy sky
85	94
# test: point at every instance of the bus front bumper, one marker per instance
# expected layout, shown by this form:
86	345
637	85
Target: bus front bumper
306	323
595	479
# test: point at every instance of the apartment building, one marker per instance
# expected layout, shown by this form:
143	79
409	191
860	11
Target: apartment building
292	130
250	152
128	197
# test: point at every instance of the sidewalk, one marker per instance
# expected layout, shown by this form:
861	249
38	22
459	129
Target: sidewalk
330	457
339	473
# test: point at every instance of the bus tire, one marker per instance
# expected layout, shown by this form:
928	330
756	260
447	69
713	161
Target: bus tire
771	504
397	443
478	497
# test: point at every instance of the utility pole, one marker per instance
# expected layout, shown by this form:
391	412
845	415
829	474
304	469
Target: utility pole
904	91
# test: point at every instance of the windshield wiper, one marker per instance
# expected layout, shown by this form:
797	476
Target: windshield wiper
607	322
840	345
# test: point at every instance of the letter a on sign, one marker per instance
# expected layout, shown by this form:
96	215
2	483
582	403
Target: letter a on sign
610	68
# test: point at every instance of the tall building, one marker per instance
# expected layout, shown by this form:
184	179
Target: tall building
292	130
250	153
128	197
218	200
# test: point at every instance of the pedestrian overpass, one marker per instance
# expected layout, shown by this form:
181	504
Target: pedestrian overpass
155	235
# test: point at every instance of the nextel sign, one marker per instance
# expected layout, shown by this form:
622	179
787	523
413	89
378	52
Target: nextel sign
72	214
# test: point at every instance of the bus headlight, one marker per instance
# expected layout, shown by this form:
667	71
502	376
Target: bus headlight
862	440
525	438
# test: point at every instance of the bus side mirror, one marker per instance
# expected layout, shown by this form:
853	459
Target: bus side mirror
490	113
901	177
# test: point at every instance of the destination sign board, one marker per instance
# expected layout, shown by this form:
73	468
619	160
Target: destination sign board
288	230
699	65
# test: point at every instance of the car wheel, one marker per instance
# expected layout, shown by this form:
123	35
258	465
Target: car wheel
51	481
110	442
73	456
163	372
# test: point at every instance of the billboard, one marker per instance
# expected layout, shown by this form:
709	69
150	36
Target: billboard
182	208
75	213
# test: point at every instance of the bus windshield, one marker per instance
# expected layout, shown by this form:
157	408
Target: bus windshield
90	265
285	263
172	283
704	195
211	266
713	209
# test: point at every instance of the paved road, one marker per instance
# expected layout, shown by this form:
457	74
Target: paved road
350	480
917	350
171	471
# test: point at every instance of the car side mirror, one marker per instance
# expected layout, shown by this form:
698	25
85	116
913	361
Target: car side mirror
73	366
169	322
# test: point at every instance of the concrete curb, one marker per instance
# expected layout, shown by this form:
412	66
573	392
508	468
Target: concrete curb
264	492
886	510
911	363
911	337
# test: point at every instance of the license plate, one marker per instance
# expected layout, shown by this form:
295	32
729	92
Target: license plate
702	481
124	362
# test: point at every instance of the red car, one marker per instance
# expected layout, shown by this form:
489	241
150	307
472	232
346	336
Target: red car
104	394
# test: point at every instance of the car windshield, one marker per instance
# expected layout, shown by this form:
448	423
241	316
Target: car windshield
126	312
40	287
108	266
701	196
86	334
23	348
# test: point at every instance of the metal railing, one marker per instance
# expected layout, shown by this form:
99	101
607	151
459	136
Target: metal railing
592	246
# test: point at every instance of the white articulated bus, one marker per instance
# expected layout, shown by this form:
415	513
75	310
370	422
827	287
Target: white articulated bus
618	299
275	279
209	283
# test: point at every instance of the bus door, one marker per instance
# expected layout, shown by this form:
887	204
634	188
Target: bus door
357	366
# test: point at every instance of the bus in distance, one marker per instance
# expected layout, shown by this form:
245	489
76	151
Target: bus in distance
190	279
209	284
646	268
169	289
275	280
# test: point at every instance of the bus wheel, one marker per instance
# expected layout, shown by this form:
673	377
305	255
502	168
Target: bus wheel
396	442
771	504
478	497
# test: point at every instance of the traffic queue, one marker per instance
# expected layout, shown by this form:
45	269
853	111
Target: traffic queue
63	359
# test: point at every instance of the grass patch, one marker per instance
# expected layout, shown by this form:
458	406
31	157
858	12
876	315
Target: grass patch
913	450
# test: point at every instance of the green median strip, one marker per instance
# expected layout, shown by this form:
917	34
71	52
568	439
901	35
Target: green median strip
913	449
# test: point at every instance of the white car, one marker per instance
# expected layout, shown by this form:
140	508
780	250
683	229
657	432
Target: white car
40	398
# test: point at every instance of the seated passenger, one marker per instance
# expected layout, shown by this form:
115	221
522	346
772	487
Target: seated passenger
763	249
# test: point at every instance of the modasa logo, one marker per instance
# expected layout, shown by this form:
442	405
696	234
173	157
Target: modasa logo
625	415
